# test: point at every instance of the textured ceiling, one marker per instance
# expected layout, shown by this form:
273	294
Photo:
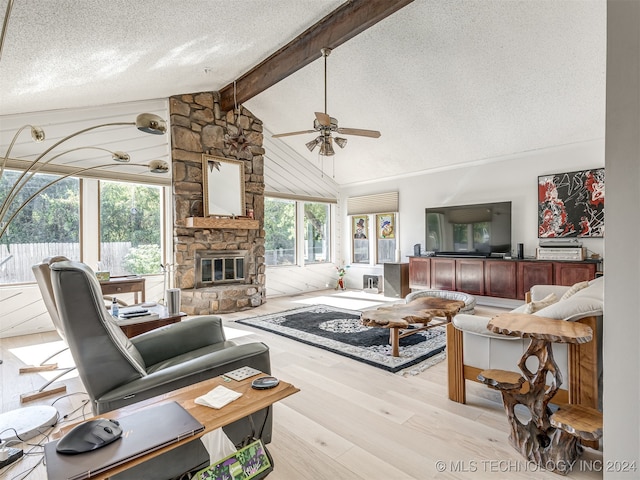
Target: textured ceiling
446	82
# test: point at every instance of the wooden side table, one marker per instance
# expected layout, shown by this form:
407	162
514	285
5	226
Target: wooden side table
552	443
120	285
139	325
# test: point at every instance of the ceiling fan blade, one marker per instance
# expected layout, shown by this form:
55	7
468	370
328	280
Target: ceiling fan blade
359	131
323	119
292	133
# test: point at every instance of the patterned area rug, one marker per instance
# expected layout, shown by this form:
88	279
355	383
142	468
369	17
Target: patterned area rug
340	331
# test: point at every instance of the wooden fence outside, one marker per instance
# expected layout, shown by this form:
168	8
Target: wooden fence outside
16	259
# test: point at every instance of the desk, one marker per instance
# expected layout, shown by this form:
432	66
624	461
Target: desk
397	318
250	402
551	443
120	285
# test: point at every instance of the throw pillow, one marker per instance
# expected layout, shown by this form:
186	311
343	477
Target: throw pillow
574	289
533	307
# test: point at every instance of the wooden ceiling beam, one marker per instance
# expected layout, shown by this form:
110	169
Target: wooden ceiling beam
339	26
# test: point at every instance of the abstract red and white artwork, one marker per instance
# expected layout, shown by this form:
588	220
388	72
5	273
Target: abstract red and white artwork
571	204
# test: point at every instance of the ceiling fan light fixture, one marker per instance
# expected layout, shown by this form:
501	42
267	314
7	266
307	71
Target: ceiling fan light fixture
312	144
326	147
341	142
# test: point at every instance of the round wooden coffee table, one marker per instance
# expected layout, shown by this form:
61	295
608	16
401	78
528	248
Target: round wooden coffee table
397	318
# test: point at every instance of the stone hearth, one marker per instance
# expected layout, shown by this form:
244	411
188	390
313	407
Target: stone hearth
198	127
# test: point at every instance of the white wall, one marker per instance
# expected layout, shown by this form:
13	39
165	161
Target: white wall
622	284
513	178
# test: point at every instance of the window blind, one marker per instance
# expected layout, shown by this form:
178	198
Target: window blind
377	203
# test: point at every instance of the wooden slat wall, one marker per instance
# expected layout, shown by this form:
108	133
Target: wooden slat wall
286	172
59	123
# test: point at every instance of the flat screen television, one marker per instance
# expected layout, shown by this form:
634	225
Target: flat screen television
479	230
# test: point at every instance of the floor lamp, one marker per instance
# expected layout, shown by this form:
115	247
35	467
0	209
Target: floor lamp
27	422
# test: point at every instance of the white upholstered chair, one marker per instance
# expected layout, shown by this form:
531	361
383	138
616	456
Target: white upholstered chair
472	348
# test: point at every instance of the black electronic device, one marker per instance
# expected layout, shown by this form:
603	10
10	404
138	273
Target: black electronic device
478	230
264	383
133	312
89	436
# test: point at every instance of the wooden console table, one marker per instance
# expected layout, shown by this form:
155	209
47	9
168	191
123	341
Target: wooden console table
495	277
120	285
250	402
398	317
551	441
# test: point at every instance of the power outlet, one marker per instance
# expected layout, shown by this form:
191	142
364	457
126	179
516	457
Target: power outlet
13	454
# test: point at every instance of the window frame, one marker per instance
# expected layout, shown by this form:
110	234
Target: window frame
300	227
162	223
373	229
89	236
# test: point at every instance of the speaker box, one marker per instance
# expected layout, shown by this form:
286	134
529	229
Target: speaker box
396	280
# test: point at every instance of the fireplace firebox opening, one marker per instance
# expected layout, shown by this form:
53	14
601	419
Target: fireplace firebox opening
216	267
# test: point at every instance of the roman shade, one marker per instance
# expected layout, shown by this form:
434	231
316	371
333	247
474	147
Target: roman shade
376	203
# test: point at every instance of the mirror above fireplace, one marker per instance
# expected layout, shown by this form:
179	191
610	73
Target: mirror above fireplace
223	186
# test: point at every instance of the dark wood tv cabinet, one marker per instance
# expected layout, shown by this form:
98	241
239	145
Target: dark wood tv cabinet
495	277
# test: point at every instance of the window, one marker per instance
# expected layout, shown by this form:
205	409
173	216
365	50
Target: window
316	232
297	232
48	225
384	234
280	231
386	237
360	229
130	228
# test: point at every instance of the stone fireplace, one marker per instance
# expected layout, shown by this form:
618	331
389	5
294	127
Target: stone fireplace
219	261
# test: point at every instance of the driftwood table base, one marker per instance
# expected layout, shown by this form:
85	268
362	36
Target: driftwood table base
399	318
553	445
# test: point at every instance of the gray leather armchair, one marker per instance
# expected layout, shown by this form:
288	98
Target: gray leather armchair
117	371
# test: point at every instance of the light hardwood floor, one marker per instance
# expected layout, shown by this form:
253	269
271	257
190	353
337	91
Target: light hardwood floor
349	421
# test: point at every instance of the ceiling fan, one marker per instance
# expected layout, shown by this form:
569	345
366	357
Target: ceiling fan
326	125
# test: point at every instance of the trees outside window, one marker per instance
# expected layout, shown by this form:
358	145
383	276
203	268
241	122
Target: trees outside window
296	231
316	232
48	225
280	231
130	228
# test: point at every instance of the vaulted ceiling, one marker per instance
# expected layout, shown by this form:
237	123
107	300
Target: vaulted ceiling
446	82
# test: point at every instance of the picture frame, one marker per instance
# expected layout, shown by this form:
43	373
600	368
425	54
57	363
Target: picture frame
360	226
223	187
360	238
386	225
571	204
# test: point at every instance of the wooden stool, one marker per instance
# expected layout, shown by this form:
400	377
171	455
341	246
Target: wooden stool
580	421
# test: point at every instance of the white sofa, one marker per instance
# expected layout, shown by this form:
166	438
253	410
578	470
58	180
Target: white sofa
472	348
